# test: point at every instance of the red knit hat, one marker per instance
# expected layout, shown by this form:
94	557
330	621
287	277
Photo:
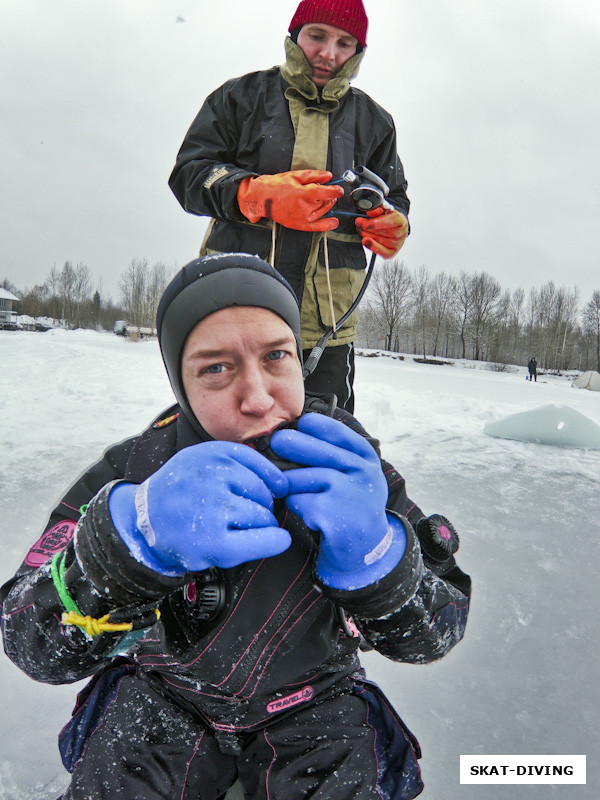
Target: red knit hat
349	15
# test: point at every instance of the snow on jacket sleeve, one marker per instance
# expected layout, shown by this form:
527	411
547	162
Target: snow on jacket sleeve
231	138
206	177
33	635
417	612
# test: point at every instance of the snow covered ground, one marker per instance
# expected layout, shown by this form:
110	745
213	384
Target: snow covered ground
524	680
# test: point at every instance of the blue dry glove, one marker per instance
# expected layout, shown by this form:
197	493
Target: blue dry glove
342	493
210	505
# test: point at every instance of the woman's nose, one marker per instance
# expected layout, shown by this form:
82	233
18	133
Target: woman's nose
256	397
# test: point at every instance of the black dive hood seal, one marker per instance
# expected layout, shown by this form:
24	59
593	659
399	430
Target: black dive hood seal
209	284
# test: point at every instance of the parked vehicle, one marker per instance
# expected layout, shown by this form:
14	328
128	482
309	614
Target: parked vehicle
124	328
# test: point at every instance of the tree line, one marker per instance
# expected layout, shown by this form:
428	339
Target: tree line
471	316
404	310
70	297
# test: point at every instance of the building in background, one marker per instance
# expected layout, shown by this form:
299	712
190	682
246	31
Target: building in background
8	310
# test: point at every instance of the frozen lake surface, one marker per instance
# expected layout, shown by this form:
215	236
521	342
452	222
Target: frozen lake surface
523	681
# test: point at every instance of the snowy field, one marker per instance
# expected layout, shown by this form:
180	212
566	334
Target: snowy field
524	680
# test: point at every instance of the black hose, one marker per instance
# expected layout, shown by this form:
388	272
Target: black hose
315	354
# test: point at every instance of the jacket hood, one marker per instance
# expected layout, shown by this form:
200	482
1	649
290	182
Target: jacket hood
298	73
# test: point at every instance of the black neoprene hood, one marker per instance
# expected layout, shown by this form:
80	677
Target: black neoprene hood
210	284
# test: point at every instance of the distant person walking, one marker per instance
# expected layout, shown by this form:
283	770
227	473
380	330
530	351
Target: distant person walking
532	367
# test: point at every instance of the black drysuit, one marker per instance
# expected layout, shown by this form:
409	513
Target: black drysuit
269	689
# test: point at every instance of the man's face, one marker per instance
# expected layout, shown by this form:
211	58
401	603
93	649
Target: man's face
241	373
326	49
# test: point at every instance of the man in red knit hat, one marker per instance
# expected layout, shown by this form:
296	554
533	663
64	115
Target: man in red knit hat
265	157
329	33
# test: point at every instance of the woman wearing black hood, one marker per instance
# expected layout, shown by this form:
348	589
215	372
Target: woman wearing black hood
206	580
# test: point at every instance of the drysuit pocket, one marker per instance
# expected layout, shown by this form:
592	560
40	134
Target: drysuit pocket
90	707
397	748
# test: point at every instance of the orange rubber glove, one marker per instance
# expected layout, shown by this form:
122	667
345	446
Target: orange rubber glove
384	232
295	199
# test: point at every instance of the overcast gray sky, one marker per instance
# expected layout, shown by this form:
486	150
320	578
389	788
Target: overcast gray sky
496	104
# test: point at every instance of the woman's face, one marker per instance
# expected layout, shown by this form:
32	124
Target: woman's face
241	373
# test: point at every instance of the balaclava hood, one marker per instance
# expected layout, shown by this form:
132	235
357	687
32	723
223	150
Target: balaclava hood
209	284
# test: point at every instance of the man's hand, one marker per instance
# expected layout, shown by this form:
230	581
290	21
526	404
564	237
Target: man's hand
297	199
341	492
210	505
384	232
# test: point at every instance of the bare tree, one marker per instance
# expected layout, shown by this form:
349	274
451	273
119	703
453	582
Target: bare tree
591	324
65	291
390	291
69	293
33	301
567	328
515	312
54	303
442	289
158	278
556	321
368	332
82	290
10	287
132	285
533	333
141	289
420	294
485	301
462	305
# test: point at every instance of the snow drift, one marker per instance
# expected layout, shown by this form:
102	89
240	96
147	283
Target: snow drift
560	426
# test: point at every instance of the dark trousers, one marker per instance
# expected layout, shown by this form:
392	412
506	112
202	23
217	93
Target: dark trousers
334	374
143	747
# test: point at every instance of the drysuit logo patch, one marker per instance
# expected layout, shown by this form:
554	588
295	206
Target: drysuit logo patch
303	696
50	543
